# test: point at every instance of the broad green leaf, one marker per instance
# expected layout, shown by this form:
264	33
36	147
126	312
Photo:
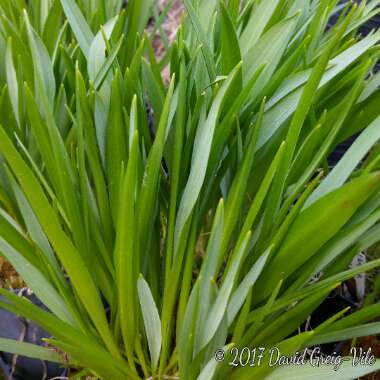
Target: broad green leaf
12	81
337	247
151	320
107	64
98	48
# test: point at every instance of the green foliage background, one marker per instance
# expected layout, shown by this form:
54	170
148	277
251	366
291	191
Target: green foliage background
199	209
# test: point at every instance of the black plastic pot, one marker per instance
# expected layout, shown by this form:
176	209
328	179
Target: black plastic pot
14	367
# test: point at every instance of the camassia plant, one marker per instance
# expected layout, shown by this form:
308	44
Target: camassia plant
160	220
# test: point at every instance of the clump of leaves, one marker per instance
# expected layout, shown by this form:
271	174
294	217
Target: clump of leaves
110	178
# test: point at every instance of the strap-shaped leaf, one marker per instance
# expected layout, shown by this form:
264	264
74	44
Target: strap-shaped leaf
37	281
69	256
240	294
348	333
314	227
42	64
201	152
257	23
79	25
30	350
152	321
98	48
219	307
230	49
341	172
12	81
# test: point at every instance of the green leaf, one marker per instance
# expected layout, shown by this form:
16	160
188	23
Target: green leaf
30	350
12	81
79	25
152	321
230	49
125	260
42	64
201	152
347	164
201	35
219	307
210	369
36	281
52	27
71	259
138	13
98	48
88	344
284	102
268	50
315	226
240	294
104	69
369	329
147	199
258	20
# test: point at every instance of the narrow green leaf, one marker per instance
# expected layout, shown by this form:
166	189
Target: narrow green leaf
240	294
30	350
347	164
71	259
306	230
42	64
230	49
201	152
219	308
79	25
